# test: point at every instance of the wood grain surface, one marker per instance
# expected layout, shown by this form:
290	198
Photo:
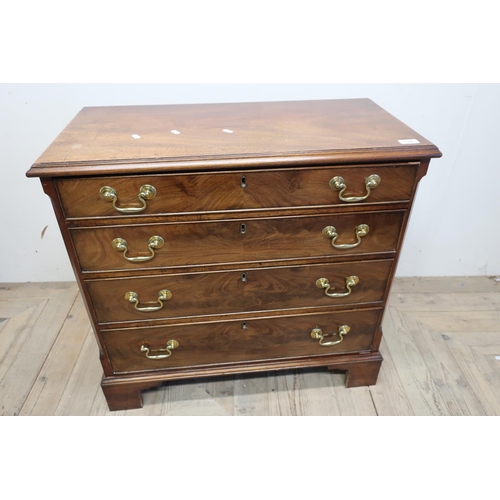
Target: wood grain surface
229	342
321	130
220	242
242	190
243	197
441	340
202	294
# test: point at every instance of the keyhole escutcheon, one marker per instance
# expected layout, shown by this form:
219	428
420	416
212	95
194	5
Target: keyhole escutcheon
243	229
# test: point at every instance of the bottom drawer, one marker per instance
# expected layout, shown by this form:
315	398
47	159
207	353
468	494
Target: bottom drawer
239	341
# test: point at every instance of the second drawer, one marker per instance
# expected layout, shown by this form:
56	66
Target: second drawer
226	292
232	241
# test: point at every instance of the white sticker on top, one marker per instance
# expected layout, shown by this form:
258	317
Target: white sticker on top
408	141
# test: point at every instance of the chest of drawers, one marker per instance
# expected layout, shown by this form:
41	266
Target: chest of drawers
229	238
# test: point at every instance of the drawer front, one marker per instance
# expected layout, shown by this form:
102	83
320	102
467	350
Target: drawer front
232	241
237	341
201	294
243	190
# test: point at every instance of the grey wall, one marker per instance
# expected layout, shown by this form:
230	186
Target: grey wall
452	231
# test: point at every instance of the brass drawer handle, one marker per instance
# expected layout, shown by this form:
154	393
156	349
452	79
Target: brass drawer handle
331	232
317	334
337	183
171	345
134	298
146	192
349	282
155	242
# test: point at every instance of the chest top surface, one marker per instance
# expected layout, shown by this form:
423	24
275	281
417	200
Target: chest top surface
104	140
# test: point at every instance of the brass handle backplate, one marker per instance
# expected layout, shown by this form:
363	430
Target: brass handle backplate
317	334
349	282
337	183
146	192
331	232
155	242
171	345
134	298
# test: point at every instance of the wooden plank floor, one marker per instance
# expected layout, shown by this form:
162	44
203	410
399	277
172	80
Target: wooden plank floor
441	353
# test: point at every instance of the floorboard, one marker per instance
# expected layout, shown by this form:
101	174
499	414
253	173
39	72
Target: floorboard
441	351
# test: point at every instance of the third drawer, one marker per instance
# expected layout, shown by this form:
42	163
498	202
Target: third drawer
228	292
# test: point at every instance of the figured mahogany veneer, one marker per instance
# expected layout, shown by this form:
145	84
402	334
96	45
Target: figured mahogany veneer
231	342
243	190
243	194
233	241
200	294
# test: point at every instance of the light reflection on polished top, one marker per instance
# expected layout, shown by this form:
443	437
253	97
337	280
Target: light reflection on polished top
269	132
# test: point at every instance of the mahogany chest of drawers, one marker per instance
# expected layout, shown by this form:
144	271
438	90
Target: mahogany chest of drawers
228	238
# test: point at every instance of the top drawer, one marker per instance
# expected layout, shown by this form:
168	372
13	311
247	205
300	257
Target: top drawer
125	196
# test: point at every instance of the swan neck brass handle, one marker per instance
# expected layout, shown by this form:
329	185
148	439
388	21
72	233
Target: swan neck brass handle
349	282
146	192
317	334
337	183
155	242
167	352
162	296
331	232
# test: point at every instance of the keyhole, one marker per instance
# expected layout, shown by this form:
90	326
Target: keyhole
243	229
244	277
243	182
244	326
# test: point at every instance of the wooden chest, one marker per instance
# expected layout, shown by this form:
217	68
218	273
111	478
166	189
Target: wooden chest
228	238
